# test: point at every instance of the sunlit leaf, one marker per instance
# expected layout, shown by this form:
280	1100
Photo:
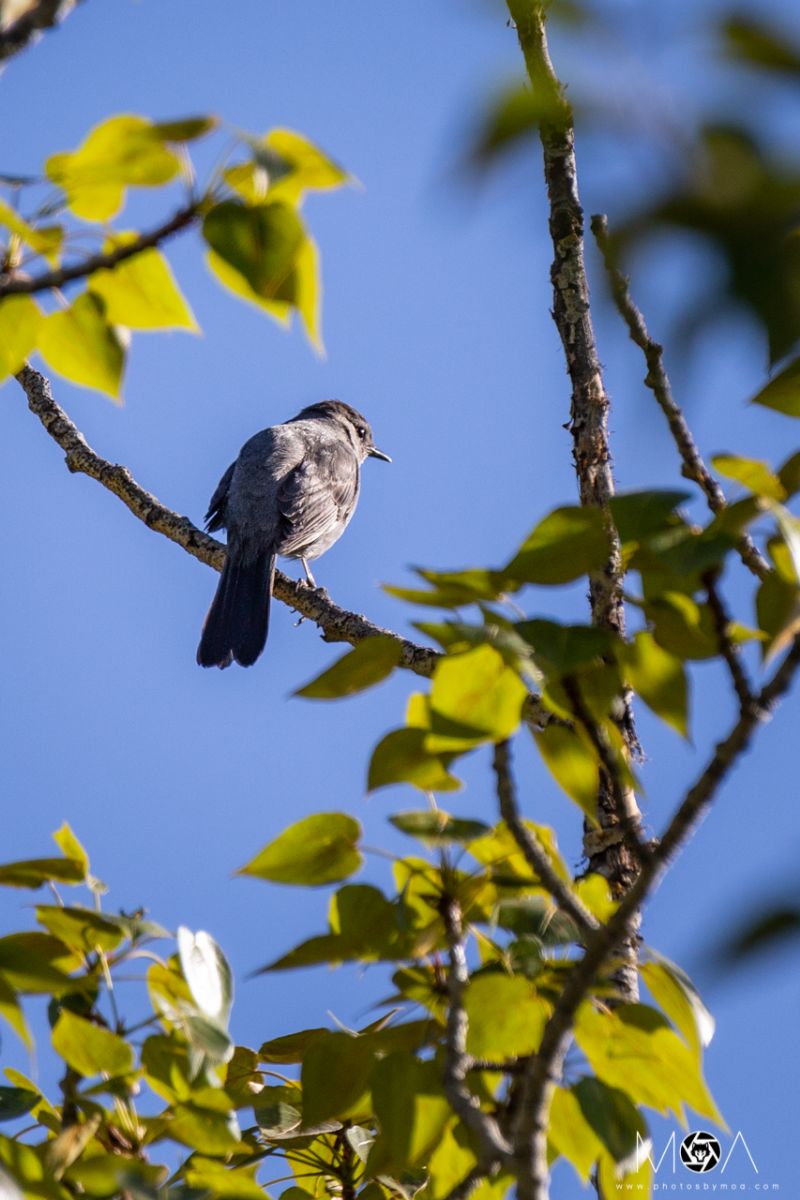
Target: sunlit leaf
260	241
90	1049
659	678
318	849
478	694
309	167
758	477
83	929
573	763
410	1107
438	827
782	393
506	1016
365	665
336	1068
20	322
45	240
208	974
141	292
81	345
402	757
675	993
33	872
571	1134
567	544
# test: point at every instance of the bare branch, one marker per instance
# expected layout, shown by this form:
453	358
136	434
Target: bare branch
39	16
545	1065
337	624
589	404
15	285
535	854
728	649
657	381
494	1148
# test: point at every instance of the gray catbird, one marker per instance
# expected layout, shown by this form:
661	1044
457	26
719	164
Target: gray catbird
291	491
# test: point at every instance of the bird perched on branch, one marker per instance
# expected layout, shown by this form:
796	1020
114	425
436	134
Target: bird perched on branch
291	491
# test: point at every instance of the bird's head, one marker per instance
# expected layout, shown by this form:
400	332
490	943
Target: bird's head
357	428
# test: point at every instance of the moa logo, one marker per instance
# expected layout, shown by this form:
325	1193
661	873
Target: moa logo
699	1152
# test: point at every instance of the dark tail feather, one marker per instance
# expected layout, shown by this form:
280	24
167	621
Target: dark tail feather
238	620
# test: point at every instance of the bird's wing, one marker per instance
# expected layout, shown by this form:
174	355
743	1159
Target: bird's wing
215	517
317	498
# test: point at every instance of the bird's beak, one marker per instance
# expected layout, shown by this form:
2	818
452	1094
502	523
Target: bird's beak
374	452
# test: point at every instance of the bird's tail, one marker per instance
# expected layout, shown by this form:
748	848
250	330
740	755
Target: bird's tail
237	622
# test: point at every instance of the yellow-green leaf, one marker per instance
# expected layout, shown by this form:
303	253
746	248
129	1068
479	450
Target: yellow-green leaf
474	696
141	292
122	151
633	1048
571	1135
573	764
260	241
45	240
411	1108
402	757
81	345
758	477
675	993
782	393
70	847
88	1048
362	667
506	1016
309	167
20	322
659	678
567	544
319	849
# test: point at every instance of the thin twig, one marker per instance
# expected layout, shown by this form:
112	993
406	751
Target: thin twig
727	648
534	852
493	1147
558	1030
337	624
16	284
657	380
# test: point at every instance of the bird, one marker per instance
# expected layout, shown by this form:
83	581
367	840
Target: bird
291	492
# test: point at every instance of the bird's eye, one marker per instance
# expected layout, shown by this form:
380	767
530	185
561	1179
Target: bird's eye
361	431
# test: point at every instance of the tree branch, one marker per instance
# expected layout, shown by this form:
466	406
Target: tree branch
16	285
535	854
493	1147
337	624
657	381
42	15
589	403
728	649
544	1066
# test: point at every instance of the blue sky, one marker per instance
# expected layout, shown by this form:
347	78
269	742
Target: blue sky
436	322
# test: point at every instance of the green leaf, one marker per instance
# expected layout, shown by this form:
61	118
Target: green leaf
683	627
167	1066
782	393
11	1011
499	852
290	1048
37	962
187	129
141	292
88	1048
659	678
402	757
122	151
206	1123
81	345
477	692
675	993
572	762
567	544
611	1115
638	515
336	1068
438	827
33	872
260	241
20	322
634	1048
571	1134
506	1016
319	849
206	971
561	649
789	529
16	1102
218	1180
410	1107
83	929
512	116
758	477
368	663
